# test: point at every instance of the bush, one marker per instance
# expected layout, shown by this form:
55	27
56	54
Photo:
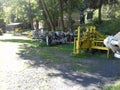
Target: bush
18	30
109	27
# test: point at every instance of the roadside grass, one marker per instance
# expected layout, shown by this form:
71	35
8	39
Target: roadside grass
81	66
17	40
83	53
65	47
59	54
52	56
112	88
116	86
34	43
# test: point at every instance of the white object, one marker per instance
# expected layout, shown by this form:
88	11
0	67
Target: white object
117	55
113	42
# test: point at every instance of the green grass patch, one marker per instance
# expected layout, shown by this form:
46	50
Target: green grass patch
34	43
79	67
83	54
113	87
83	65
17	40
59	54
68	48
65	47
82	68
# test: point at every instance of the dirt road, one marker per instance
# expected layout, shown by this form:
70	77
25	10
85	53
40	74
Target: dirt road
15	74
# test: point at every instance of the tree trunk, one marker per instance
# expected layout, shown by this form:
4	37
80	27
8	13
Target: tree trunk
99	12
44	15
47	14
69	16
30	16
61	15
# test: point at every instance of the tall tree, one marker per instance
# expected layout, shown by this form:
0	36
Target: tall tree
61	14
30	15
69	10
97	4
47	14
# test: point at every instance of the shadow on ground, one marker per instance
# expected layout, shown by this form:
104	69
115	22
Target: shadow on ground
83	71
86	71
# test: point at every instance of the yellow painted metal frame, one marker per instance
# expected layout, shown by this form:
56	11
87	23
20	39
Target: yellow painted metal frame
91	39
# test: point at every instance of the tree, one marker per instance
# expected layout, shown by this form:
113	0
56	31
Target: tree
47	14
97	4
20	10
61	14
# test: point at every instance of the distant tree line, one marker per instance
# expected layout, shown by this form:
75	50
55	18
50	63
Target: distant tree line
50	11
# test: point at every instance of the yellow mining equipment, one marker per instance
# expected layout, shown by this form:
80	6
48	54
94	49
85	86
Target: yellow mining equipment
88	40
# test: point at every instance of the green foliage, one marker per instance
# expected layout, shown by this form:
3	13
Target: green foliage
108	27
27	11
20	10
97	3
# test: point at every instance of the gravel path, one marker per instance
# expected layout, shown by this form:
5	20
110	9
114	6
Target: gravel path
17	74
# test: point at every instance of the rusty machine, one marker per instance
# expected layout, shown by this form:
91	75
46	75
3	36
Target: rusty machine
89	40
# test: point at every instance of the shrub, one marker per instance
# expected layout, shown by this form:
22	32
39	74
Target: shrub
18	30
109	27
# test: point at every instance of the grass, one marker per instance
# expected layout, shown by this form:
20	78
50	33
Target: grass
17	40
59	54
84	54
34	43
116	86
83	67
113	88
67	48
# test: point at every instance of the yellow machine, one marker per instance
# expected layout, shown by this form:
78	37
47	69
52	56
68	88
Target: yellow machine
90	39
